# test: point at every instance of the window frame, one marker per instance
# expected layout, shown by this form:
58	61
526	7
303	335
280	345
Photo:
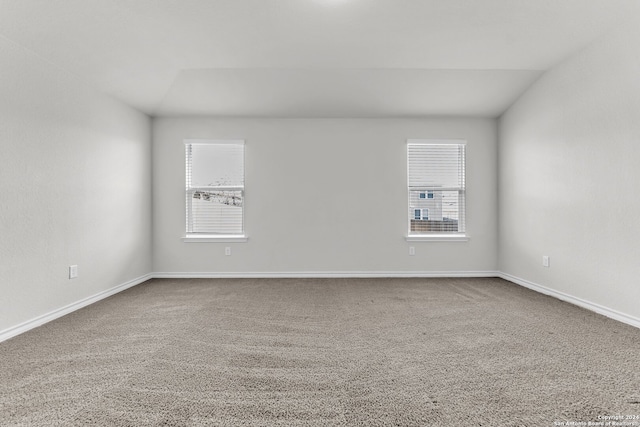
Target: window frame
460	236
421	215
191	237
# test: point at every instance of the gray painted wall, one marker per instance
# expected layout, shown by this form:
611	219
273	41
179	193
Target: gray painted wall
569	159
324	195
74	189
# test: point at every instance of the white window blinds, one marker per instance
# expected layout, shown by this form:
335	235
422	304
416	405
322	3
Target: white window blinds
215	187
436	180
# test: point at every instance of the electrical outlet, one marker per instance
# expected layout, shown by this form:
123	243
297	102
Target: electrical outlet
227	251
545	261
412	250
73	271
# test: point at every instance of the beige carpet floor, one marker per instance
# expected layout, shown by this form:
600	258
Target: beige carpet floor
323	352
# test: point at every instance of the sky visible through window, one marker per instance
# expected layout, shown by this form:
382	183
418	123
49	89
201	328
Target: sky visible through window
217	165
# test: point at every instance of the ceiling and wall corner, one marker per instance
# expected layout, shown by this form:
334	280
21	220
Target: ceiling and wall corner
310	58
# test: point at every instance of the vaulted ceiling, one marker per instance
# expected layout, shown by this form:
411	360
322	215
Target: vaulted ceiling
310	58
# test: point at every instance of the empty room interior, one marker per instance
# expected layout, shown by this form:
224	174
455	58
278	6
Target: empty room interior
319	212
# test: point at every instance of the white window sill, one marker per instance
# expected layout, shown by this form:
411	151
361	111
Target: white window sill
437	238
214	238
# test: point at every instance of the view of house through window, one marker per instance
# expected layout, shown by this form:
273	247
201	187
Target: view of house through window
436	179
214	187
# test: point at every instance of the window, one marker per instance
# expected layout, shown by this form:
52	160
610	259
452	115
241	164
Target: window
426	195
436	186
421	214
214	189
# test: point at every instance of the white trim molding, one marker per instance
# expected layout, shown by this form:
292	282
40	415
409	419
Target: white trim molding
320	274
52	315
45	318
437	238
214	239
605	311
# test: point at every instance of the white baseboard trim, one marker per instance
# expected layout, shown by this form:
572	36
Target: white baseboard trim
319	274
605	311
48	317
45	318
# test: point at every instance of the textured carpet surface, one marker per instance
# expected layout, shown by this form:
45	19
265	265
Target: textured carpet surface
323	352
